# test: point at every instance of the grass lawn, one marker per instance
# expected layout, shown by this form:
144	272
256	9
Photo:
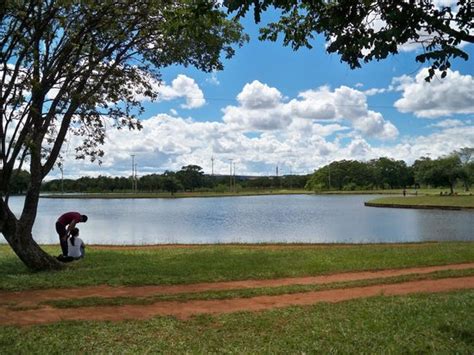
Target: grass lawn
420	323
425	201
183	265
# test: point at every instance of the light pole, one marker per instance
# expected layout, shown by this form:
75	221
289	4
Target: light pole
62	178
329	176
230	175
233	177
133	172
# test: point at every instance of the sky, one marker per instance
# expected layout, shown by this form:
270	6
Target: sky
272	106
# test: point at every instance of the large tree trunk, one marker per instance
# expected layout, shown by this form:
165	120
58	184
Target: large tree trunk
18	234
21	241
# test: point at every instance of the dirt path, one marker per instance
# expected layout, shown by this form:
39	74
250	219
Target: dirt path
47	314
32	298
184	310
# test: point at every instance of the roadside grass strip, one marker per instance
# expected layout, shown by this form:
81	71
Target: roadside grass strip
417	324
179	265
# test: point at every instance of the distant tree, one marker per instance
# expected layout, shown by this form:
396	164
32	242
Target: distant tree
390	172
190	176
466	156
441	172
77	67
171	183
19	182
370	29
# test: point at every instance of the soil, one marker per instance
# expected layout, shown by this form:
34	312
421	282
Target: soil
40	314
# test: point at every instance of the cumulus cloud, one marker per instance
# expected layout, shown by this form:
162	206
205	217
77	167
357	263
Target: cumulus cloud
181	87
261	108
444	97
448	123
264	108
167	142
266	129
259	96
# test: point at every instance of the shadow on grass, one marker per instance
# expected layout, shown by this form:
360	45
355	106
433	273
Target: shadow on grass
458	334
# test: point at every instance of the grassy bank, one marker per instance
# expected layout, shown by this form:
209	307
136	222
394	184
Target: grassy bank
184	265
123	195
424	323
447	202
419	323
269	192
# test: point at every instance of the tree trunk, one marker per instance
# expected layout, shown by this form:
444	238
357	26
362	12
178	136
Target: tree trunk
19	236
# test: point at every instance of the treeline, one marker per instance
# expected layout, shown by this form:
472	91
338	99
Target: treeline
347	175
189	178
386	173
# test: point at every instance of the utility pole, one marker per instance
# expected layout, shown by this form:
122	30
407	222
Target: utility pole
212	166
136	178
133	172
234	177
62	177
230	175
329	176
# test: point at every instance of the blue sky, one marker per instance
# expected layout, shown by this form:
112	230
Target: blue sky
298	110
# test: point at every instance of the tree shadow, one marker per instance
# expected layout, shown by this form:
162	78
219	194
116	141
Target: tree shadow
464	335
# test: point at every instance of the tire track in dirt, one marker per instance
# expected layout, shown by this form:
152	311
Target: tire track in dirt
184	310
31	298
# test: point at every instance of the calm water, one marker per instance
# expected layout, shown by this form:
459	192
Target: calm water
300	218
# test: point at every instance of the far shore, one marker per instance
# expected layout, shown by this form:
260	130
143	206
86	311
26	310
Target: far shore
465	202
269	192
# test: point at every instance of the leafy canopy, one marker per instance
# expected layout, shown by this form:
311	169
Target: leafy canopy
81	66
67	65
361	31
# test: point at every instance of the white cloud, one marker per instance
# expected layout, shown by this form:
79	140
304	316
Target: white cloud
449	123
265	129
375	91
181	87
168	142
259	96
213	79
263	108
441	97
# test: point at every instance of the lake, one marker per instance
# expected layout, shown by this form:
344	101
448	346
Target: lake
250	219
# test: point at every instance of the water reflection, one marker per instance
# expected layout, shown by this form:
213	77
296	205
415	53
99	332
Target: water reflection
254	219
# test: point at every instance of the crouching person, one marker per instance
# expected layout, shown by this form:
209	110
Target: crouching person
75	247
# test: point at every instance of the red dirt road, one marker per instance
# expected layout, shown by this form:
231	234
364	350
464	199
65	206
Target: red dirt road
183	310
34	297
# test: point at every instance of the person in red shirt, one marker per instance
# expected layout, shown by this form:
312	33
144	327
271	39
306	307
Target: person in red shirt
65	224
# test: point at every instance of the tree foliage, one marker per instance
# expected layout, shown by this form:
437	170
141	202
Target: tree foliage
386	173
78	67
362	31
444	171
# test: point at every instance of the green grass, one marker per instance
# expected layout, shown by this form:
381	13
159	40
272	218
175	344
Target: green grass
183	265
261	192
426	201
245	293
409	192
422	323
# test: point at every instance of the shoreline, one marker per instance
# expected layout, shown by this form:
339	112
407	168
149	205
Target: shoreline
421	207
